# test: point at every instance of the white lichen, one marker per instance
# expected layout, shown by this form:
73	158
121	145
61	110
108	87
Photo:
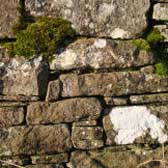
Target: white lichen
100	43
135	121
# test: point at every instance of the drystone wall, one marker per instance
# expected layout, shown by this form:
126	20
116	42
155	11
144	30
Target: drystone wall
99	103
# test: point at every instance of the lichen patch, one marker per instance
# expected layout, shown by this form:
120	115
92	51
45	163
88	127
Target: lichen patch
133	122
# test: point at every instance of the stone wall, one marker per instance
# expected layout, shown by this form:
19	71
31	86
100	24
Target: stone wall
99	104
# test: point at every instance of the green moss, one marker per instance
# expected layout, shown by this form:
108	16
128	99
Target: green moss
141	44
154	42
41	38
154	37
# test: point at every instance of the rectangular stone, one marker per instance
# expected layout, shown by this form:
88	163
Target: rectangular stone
149	98
116	157
97	18
85	123
86	133
160	11
24	140
50	159
163	30
8	17
101	54
11	116
112	84
69	110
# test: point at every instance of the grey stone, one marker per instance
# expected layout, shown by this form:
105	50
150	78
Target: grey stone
50	159
160	11
117	101
116	19
149	98
53	91
69	110
10	116
148	69
8	17
19	76
23	140
112	84
99	54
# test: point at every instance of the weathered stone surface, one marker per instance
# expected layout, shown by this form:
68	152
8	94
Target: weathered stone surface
8	17
164	31
88	144
116	157
21	77
151	98
99	54
85	123
13	104
117	101
18	98
46	166
53	91
63	111
97	18
148	69
112	84
50	159
160	11
87	133
136	124
11	116
34	140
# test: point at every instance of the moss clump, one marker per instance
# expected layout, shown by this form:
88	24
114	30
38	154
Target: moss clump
154	42
41	38
141	44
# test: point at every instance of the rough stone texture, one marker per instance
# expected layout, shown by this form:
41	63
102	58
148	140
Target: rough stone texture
63	111
113	157
85	123
112	84
18	98
160	11
8	17
151	98
10	116
97	18
116	101
161	112
164	31
21	77
88	144
87	133
50	159
99	54
53	91
46	166
24	140
148	69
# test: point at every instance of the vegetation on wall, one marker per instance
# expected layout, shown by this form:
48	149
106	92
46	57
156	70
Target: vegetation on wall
154	42
41	38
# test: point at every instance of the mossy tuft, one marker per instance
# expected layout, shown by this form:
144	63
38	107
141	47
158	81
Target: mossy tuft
41	38
154	42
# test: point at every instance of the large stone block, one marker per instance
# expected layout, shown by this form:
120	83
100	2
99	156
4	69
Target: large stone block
99	54
24	140
8	17
116	157
112	84
19	76
137	124
63	111
114	18
10	116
